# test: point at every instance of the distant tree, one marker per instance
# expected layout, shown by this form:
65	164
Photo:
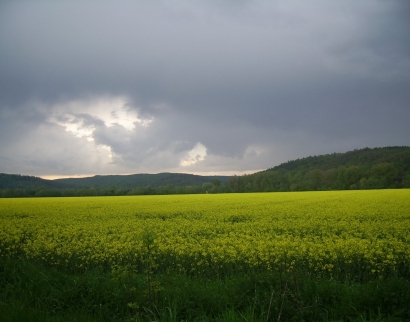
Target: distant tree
19	193
315	178
7	193
233	183
385	172
216	182
353	175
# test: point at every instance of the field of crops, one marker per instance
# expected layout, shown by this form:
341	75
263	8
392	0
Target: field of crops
353	234
311	256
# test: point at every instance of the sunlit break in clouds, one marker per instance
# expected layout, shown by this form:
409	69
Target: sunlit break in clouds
77	116
198	153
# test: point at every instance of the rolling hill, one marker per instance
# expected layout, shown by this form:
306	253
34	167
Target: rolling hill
398	156
368	168
140	180
15	181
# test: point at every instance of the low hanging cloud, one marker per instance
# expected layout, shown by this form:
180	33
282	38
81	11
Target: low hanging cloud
106	87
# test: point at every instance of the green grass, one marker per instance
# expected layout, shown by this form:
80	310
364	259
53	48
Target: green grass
33	292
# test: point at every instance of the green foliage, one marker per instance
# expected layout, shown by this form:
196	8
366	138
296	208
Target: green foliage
377	168
32	292
16	181
141	180
137	184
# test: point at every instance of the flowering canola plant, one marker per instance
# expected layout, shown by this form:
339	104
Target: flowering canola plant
353	234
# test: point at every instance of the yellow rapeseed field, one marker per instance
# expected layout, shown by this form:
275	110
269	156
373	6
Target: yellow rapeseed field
348	233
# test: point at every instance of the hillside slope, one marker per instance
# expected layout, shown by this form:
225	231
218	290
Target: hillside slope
14	181
367	168
398	156
376	168
141	180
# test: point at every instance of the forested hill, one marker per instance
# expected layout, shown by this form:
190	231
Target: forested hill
14	181
376	168
367	168
397	156
141	180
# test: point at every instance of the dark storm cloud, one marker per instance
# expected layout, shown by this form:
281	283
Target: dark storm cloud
255	82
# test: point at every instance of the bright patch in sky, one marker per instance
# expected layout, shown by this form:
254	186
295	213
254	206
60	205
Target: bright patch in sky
198	153
77	127
81	116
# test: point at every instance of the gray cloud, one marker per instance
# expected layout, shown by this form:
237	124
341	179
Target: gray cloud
256	83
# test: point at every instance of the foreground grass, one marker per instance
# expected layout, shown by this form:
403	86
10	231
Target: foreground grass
34	292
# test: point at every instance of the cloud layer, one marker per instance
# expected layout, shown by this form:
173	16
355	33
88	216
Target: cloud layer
106	87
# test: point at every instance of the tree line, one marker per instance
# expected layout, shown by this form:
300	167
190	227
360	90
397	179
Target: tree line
377	168
381	176
210	187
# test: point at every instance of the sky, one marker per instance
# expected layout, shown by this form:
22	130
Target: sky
204	87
